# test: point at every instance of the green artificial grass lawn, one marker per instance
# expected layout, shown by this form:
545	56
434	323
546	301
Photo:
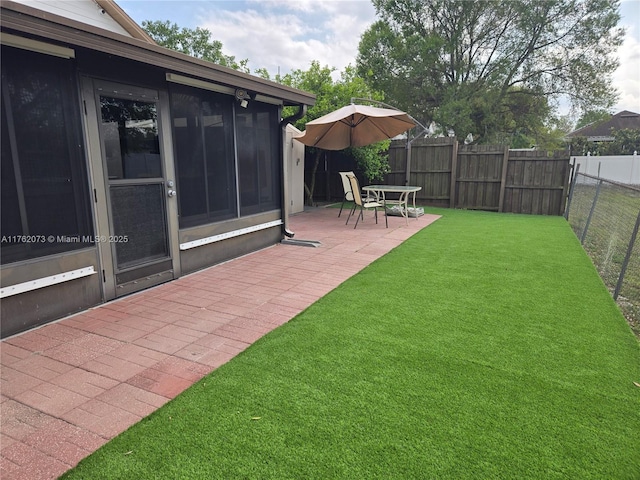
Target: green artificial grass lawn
485	346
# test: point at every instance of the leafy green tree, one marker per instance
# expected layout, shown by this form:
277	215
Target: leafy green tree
625	142
553	135
194	42
491	68
519	120
580	146
373	159
593	116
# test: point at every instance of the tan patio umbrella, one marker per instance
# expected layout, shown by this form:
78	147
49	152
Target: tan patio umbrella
355	126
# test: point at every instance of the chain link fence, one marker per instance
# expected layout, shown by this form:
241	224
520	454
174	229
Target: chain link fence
605	217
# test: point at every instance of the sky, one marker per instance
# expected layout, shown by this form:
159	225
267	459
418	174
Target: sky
284	35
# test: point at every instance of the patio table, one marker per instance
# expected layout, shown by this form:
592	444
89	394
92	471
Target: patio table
380	192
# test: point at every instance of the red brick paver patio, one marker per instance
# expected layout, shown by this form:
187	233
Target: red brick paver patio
70	386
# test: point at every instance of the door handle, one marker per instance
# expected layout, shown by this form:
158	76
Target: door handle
172	193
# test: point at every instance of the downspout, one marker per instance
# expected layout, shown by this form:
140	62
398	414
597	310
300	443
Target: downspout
285	170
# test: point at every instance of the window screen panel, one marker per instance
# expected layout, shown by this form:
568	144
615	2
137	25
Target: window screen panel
10	215
202	124
217	125
247	162
258	158
188	145
139	223
43	167
268	159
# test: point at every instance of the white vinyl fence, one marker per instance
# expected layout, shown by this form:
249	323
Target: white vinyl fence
620	168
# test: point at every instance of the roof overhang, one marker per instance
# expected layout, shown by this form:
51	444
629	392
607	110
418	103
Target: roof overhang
21	20
120	16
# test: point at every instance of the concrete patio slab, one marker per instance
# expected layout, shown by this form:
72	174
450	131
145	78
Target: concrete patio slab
71	386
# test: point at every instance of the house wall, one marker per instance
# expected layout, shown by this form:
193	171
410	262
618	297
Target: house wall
41	305
224	241
294	161
197	247
85	11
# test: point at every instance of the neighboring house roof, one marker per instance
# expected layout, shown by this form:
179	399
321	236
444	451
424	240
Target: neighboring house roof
99	13
36	24
601	131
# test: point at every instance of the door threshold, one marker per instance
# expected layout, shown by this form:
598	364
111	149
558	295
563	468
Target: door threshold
143	283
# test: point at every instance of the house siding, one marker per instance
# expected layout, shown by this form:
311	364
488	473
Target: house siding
85	11
141	69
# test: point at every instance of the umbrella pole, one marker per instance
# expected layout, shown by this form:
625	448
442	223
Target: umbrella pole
327	171
407	178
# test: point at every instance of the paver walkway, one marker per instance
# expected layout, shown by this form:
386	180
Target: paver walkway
70	386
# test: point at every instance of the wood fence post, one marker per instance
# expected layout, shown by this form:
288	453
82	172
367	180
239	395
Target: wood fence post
572	187
565	187
454	173
503	179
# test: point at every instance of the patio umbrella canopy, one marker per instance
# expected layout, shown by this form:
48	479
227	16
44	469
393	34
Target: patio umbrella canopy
355	126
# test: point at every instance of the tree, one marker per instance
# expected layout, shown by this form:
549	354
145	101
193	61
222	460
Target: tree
625	142
593	116
194	42
553	136
473	66
331	95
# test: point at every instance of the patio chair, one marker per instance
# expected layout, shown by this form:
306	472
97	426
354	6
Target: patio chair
358	202
346	186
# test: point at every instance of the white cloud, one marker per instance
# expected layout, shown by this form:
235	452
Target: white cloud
290	35
306	6
627	77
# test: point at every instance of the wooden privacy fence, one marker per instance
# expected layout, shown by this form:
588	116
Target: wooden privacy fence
481	177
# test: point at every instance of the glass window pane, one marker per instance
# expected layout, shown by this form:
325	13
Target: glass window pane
130	132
